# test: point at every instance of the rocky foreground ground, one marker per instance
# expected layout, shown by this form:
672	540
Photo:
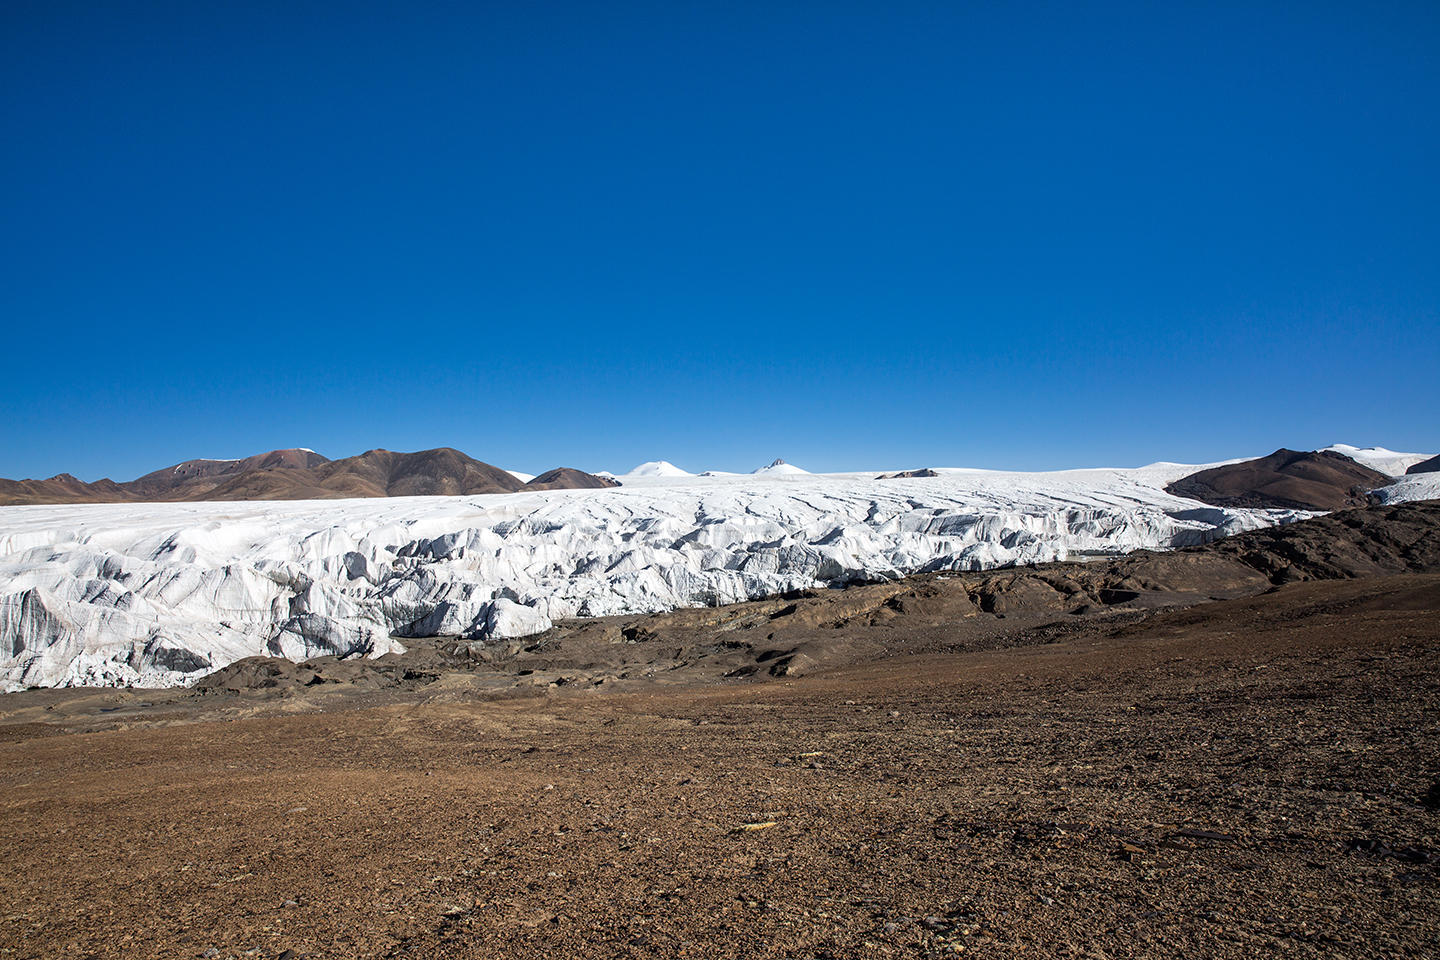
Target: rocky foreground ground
1225	752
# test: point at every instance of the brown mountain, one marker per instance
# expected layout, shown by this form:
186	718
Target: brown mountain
442	472
374	473
61	488
295	475
568	478
184	480
1426	466
1285	480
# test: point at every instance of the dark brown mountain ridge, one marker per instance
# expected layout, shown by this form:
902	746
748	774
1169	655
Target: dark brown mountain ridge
298	474
1285	480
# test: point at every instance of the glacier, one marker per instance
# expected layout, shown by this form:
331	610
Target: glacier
1417	486
160	594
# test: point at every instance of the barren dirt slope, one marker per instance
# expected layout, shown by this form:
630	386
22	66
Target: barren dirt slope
1246	777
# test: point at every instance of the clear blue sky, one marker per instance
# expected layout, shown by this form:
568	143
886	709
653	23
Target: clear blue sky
852	235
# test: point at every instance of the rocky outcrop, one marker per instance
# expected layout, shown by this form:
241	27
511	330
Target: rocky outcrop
908	474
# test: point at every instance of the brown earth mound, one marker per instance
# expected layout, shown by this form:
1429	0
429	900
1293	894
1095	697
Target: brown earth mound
1285	480
568	478
1426	466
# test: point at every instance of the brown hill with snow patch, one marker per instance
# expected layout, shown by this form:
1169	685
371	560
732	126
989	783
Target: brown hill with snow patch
568	478
1285	480
185	480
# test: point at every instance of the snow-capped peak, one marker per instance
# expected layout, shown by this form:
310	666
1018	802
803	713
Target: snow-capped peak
658	468
779	467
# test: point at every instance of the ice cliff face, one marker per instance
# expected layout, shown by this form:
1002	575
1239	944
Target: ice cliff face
1417	486
159	594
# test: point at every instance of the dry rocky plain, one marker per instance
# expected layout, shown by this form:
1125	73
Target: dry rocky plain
1229	751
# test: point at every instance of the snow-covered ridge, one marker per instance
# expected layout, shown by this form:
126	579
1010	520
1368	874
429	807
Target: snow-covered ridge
158	594
657	468
1378	458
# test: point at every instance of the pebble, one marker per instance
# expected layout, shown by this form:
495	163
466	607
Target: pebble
759	825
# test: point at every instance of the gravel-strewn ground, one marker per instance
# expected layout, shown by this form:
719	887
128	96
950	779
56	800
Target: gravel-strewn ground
1248	777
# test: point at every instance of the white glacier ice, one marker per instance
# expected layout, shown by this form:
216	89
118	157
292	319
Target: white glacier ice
161	593
1417	486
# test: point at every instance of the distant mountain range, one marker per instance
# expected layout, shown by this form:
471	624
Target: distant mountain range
300	474
1330	479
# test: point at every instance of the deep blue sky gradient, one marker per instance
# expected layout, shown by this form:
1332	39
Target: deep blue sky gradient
852	235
